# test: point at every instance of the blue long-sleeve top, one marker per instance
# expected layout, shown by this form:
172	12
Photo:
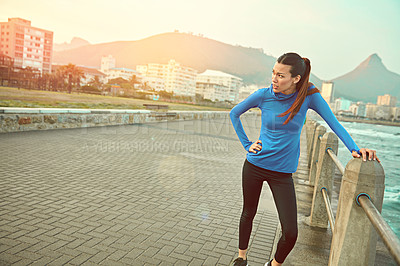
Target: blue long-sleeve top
281	143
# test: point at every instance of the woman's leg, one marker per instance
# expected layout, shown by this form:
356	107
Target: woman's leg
251	185
285	200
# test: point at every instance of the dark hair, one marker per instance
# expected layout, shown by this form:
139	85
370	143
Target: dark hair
299	66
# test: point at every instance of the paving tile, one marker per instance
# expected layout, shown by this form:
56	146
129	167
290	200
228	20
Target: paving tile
8	259
100	256
18	248
63	259
80	259
42	261
28	255
169	199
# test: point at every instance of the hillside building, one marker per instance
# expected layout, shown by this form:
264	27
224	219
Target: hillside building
231	82
122	72
212	91
387	100
358	109
385	109
179	79
112	72
107	62
342	104
158	84
380	112
327	91
91	74
395	114
28	46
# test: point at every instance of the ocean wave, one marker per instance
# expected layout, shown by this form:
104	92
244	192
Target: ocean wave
392	188
368	131
374	134
389	197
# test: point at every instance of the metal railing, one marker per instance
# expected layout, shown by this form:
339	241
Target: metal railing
335	160
329	211
360	181
384	230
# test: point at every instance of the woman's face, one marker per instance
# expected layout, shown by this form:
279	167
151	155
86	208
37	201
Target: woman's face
282	80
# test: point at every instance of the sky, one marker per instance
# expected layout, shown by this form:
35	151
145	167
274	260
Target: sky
335	35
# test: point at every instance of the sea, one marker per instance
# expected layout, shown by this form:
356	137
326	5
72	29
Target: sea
386	141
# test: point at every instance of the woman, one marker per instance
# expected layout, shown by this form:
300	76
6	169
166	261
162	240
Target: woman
274	157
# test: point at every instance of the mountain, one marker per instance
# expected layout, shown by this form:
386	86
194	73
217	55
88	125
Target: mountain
75	43
198	52
368	80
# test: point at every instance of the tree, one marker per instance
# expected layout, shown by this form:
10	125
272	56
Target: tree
43	81
133	80
72	74
165	95
90	89
118	81
29	77
95	82
56	81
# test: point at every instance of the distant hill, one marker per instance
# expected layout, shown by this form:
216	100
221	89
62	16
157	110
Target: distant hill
75	43
368	80
200	53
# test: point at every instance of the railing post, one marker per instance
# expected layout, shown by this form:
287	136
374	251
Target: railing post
308	133
354	238
314	125
324	178
320	131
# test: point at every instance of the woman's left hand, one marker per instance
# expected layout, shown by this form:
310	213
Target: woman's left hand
364	152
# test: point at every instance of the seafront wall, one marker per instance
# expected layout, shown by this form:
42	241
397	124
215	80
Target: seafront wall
27	119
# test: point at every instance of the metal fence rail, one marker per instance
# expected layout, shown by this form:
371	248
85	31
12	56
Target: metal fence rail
336	160
328	206
384	230
367	177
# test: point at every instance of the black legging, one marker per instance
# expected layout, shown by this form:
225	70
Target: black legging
282	188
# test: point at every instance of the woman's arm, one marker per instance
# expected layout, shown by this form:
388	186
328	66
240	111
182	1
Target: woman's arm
250	102
318	104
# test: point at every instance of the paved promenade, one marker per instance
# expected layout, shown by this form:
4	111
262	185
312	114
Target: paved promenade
148	194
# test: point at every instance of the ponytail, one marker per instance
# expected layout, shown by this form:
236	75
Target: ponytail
302	88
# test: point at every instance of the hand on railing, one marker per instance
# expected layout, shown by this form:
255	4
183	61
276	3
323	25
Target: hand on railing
366	152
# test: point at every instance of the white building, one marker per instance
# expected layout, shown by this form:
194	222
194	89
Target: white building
384	112
358	109
179	79
342	104
387	99
142	69
327	91
157	84
112	72
246	91
122	72
212	91
90	74
232	82
107	62
395	113
374	111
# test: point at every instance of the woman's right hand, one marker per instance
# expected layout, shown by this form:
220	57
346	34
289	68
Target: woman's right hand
255	147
